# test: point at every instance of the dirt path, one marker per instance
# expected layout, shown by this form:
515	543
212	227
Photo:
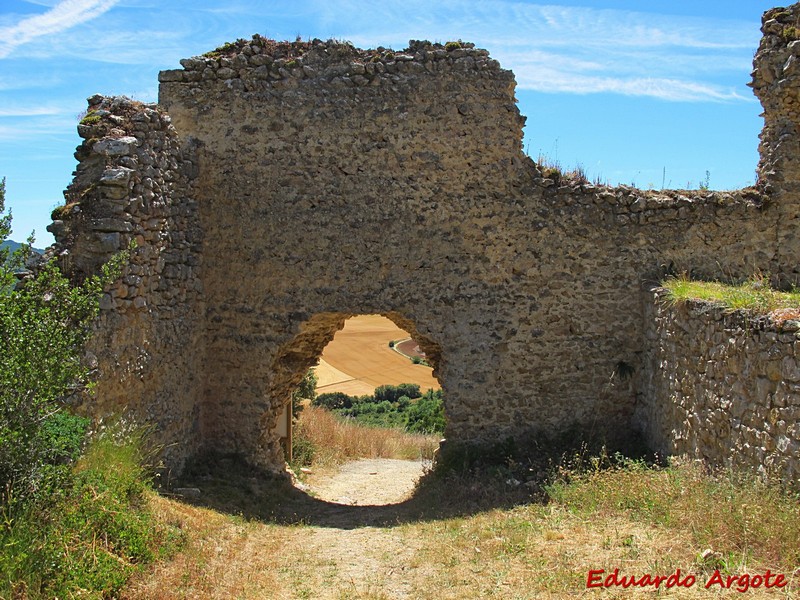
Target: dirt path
344	542
367	482
372	559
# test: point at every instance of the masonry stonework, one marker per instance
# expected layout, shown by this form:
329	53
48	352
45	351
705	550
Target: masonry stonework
723	387
279	188
132	184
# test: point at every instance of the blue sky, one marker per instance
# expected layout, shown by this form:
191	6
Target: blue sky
639	92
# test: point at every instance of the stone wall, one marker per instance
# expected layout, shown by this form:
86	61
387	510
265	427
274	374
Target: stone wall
133	184
306	182
776	83
722	386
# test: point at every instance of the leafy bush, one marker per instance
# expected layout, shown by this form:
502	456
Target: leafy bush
64	434
88	529
333	400
375	414
67	528
426	415
44	325
307	390
394	406
304	450
392	393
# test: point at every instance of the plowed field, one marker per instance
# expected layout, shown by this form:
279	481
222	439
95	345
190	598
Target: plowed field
359	359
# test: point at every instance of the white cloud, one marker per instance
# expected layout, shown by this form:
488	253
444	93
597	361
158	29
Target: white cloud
674	90
571	49
632	74
555	48
29	111
64	15
19	124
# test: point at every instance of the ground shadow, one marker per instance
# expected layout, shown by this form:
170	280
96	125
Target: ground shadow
472	486
234	488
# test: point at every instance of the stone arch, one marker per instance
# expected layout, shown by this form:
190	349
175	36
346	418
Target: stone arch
301	352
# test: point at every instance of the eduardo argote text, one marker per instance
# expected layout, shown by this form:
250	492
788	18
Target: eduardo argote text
599	578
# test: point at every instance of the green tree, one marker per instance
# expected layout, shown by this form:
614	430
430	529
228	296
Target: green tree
393	392
426	415
333	400
307	390
44	324
9	261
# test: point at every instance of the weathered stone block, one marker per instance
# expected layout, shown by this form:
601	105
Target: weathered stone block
122	146
172	75
120	176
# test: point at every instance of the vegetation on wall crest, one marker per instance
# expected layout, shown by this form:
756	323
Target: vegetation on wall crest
754	295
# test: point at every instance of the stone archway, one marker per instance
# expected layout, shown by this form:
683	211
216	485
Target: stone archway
279	187
298	355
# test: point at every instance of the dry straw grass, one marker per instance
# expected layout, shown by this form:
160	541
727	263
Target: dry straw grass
752	523
222	557
637	518
332	441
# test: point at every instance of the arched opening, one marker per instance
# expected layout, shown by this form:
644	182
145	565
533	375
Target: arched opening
367	401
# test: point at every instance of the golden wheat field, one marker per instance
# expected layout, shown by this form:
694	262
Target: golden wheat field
359	359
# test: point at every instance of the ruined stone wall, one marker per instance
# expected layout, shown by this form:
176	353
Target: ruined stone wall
132	184
335	181
313	181
776	83
722	387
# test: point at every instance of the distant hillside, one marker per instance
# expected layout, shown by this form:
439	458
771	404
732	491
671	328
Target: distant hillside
14	245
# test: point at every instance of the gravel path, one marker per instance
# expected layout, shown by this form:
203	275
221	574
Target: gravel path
369	559
369	482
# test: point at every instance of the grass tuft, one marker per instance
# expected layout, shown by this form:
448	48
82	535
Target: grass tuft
87	531
749	519
754	295
603	512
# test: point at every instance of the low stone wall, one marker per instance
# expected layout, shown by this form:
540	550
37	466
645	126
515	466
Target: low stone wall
723	387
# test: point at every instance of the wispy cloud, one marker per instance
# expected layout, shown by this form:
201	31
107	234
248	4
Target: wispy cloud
27	121
51	127
551	48
63	16
34	111
640	73
571	49
675	90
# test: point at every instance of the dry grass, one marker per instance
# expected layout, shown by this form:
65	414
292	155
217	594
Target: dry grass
327	440
751	523
222	557
638	519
